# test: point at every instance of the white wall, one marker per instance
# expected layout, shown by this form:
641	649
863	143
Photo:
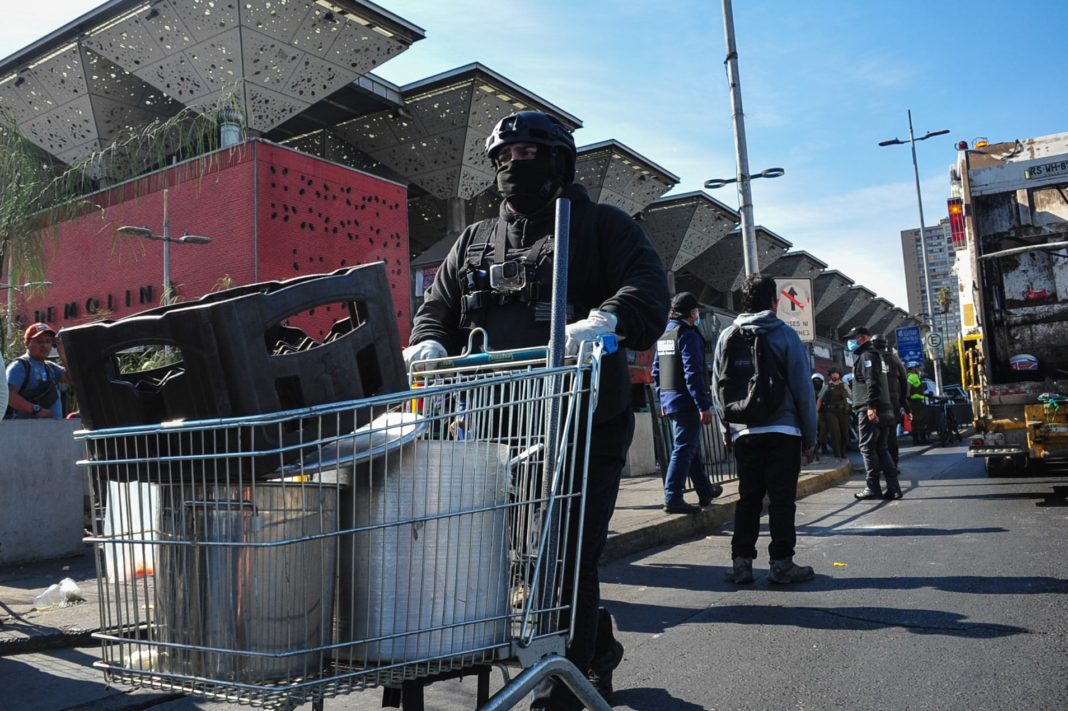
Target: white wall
41	490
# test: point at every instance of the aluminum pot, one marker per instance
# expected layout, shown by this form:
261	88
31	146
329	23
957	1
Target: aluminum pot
264	610
423	574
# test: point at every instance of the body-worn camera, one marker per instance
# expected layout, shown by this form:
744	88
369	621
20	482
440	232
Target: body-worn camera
509	276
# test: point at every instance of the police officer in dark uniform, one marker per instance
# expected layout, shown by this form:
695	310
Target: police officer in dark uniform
498	276
874	414
897	385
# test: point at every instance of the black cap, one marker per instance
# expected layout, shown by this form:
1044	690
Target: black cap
858	331
684	302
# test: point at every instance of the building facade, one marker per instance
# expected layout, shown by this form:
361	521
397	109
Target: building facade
940	267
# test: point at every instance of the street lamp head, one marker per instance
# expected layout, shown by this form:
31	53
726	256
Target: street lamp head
932	134
771	173
193	239
891	142
715	183
136	231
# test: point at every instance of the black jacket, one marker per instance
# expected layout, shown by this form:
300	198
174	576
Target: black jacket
613	267
869	381
896	378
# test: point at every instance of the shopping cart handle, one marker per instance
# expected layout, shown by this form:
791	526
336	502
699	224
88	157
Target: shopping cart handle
609	344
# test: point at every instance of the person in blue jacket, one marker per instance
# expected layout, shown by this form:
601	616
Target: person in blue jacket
682	389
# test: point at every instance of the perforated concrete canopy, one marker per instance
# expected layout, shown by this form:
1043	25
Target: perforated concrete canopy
872	313
798	265
723	265
438	139
842	314
616	175
828	287
127	61
684	226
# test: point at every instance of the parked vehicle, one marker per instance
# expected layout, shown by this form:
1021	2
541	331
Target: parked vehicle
1009	223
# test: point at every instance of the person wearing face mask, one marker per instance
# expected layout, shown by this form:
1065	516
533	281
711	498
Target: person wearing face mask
875	416
498	276
680	374
834	400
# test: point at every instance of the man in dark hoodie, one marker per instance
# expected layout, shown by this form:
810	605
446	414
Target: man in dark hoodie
897	385
769	456
874	414
616	284
682	389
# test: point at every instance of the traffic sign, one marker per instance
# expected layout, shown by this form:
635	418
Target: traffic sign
934	340
909	344
795	306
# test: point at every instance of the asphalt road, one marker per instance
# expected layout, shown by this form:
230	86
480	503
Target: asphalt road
951	598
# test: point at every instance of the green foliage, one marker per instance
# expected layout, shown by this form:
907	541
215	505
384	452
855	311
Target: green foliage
147	359
38	192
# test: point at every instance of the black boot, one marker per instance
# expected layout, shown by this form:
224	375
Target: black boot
607	655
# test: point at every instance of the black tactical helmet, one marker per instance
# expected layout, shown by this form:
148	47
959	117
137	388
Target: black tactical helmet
539	128
878	341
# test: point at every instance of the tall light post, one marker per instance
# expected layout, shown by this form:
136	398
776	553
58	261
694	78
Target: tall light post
745	197
166	238
923	237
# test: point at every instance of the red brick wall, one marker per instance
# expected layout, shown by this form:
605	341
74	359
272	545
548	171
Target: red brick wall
313	217
316	217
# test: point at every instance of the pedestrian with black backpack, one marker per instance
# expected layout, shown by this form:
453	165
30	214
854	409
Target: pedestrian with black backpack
761	387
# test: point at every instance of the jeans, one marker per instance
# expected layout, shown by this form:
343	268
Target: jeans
685	459
609	442
874	439
767	464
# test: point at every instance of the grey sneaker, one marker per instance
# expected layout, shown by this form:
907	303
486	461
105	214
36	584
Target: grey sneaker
785	571
742	573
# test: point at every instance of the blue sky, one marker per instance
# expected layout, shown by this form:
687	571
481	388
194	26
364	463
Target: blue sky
823	82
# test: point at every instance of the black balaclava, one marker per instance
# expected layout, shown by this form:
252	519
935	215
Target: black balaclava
528	185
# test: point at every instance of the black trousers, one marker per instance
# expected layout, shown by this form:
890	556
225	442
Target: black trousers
874	438
891	442
767	464
609	442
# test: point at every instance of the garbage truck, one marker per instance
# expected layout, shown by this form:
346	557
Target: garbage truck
1008	216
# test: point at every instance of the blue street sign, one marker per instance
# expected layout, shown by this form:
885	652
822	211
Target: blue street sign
909	344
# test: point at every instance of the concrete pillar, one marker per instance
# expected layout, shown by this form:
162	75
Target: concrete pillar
455	216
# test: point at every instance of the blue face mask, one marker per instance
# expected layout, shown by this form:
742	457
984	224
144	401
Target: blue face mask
697	321
852	345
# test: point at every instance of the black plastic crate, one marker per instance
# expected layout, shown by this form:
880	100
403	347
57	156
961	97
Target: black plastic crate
242	355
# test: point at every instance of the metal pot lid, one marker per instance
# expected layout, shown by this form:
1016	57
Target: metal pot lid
386	432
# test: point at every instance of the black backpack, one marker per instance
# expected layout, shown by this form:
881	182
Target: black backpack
751	385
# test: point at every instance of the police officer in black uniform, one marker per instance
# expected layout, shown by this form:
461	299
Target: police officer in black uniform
897	385
498	276
874	415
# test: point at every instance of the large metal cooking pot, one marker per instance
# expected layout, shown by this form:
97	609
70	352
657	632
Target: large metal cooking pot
424	574
262	607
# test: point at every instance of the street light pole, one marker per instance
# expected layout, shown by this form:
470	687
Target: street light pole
167	251
745	197
923	236
166	238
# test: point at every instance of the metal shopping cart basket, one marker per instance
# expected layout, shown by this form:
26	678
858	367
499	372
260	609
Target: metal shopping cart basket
430	540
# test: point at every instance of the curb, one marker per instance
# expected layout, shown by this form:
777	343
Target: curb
680	527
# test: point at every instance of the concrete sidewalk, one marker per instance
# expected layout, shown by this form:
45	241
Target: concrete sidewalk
639	523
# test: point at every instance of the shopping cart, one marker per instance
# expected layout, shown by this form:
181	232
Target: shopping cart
429	541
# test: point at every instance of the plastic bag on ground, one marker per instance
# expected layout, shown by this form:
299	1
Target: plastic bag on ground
63	593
